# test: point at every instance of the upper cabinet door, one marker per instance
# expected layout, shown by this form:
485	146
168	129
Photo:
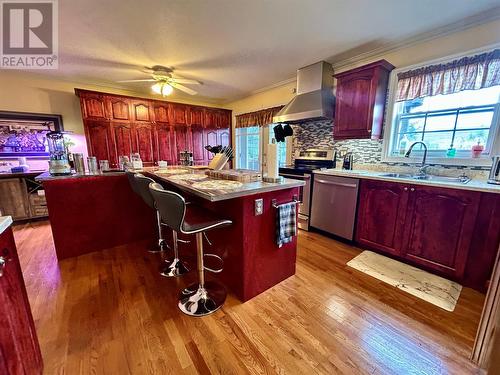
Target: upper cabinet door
381	214
142	111
199	155
162	112
179	113
93	106
439	228
210	138
360	101
117	108
210	118
224	119
196	116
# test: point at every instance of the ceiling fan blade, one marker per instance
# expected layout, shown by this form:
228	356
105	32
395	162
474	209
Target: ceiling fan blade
185	80
183	88
137	80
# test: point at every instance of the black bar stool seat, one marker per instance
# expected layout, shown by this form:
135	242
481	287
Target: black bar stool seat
201	298
172	268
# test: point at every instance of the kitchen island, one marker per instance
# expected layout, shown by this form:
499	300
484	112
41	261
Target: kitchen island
94	212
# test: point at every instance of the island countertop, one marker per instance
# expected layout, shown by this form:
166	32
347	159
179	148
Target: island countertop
217	194
172	175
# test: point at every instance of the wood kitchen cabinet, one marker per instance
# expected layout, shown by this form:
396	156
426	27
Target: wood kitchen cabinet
360	101
99	140
117	108
93	106
381	215
14	198
143	136
164	143
428	226
19	348
123	138
439	227
158	130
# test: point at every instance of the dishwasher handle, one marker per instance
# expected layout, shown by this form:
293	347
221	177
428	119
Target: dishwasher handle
335	183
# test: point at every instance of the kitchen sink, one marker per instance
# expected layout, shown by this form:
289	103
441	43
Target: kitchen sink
428	177
398	175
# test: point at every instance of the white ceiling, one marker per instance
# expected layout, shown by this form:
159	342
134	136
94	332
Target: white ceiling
234	46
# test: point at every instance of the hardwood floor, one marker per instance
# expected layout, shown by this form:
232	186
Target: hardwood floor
111	313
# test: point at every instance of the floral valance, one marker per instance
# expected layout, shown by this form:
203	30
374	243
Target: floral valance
468	73
257	118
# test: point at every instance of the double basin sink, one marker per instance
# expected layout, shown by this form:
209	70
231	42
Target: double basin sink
428	177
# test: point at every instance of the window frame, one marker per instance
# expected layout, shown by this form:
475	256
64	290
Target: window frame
392	118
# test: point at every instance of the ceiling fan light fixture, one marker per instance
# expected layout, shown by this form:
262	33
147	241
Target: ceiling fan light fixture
162	88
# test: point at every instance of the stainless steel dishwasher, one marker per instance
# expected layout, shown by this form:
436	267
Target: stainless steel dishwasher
334	202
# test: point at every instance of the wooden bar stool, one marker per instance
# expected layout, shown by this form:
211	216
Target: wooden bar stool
201	298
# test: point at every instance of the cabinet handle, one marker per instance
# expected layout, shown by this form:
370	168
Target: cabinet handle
3	263
405	189
412	189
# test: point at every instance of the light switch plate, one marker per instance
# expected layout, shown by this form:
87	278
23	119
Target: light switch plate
259	206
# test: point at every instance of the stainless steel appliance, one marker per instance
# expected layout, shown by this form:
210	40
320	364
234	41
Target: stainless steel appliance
334	202
304	165
78	161
185	158
314	99
494	177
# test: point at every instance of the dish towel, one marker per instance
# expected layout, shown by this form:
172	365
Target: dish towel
286	223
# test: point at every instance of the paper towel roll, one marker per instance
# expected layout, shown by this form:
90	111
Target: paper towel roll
272	160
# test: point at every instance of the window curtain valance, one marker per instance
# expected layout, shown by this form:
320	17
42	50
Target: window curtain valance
258	118
468	73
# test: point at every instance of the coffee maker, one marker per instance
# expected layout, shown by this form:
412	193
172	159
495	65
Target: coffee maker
58	157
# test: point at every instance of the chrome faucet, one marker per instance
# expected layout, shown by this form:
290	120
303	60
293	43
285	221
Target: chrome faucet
423	167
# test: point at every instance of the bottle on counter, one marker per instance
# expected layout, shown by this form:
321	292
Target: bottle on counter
477	150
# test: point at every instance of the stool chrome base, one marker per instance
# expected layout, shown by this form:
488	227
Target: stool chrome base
201	301
174	268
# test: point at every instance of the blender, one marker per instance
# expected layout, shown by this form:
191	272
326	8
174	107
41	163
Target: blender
58	159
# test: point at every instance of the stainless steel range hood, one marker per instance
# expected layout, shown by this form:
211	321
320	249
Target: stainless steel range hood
314	98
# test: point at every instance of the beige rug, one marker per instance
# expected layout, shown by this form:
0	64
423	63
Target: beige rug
422	284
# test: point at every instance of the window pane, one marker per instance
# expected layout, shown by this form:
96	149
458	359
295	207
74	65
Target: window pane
411	124
480	97
474	120
465	139
439	140
440	122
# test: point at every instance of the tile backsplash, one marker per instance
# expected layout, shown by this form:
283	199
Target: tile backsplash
319	134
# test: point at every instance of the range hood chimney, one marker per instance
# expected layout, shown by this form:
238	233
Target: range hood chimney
314	100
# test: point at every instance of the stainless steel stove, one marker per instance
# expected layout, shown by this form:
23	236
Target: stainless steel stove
304	165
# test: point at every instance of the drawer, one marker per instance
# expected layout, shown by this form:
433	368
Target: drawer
37	200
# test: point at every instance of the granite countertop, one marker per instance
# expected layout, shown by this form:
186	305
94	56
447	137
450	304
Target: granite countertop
5	222
219	194
46	176
473	184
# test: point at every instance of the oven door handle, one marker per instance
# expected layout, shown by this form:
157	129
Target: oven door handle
297	177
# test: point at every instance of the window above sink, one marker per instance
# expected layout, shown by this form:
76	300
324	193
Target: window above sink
457	119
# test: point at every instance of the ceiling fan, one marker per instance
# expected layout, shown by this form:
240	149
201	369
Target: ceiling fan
164	82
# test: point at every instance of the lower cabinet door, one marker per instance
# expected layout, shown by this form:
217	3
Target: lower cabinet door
381	215
19	349
439	227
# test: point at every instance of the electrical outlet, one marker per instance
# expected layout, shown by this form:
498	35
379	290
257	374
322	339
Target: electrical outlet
259	206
